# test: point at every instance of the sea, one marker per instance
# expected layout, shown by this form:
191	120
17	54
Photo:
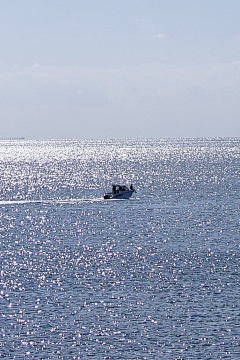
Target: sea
152	277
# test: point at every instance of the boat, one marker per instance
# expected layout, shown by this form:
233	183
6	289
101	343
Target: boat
120	192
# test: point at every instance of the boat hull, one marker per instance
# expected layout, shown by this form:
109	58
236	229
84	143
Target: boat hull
120	195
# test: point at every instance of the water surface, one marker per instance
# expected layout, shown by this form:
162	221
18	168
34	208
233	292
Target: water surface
156	276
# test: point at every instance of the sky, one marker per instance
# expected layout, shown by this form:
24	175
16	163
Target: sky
88	69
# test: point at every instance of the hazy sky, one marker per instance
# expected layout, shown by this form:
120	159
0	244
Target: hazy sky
119	69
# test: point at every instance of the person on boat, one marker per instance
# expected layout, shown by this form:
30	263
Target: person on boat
131	187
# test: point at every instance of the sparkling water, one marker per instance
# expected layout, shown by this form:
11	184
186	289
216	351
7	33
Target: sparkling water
153	277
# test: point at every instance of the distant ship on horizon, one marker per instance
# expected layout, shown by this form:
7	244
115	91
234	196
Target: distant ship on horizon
12	138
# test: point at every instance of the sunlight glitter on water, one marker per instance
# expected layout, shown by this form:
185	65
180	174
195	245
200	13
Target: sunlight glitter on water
153	277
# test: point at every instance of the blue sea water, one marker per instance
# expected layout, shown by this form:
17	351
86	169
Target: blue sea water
153	277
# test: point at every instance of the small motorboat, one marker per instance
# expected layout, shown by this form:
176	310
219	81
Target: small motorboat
120	192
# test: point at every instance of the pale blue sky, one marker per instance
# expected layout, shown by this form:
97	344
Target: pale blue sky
100	69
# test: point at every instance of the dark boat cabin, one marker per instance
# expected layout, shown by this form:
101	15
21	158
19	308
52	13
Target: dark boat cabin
117	188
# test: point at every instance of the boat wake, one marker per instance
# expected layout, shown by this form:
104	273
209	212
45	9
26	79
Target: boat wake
49	201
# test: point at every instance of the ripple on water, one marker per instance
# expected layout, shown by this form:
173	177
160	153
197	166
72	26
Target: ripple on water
153	277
